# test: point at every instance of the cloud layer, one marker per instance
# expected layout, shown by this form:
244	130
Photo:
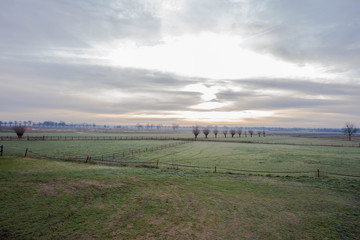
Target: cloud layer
208	61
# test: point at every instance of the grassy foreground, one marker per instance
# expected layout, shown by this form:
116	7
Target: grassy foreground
47	199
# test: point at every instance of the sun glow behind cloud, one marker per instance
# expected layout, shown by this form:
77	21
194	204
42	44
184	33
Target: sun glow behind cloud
214	117
165	61
207	55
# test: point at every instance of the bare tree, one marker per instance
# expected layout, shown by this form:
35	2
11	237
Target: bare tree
175	126
232	132
225	132
263	133
196	132
259	133
245	133
239	132
139	126
206	132
19	130
350	129
251	132
215	131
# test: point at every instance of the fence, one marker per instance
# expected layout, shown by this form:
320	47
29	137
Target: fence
118	159
108	138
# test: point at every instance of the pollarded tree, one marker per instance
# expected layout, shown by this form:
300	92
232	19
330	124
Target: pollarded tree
239	132
350	129
251	132
206	132
196	132
19	130
215	131
232	132
263	133
225	132
259	133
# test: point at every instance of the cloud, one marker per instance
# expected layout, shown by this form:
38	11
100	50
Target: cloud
295	96
92	89
324	32
188	60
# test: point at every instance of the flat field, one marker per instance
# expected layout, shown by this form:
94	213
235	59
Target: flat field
52	199
274	153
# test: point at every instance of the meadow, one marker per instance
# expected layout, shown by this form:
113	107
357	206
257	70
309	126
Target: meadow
47	198
274	153
52	199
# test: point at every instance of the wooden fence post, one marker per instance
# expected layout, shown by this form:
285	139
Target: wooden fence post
157	163
215	170
318	173
2	150
26	152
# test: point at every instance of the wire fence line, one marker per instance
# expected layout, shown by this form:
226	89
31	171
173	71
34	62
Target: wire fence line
129	160
162	138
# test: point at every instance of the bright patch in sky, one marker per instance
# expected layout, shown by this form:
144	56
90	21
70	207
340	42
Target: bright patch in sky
201	117
165	61
207	55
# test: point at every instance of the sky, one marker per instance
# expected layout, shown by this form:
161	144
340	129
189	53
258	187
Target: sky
272	63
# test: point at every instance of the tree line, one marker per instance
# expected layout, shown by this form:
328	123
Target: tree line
225	131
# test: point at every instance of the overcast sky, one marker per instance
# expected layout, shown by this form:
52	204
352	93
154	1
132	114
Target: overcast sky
220	62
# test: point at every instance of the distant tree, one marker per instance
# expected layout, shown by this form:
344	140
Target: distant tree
19	130
139	126
158	127
350	129
251	132
225	132
175	126
215	131
206	132
232	132
245	133
196	132
259	133
263	133
239	132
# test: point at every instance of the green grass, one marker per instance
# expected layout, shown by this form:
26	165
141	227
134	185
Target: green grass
245	156
50	199
291	138
262	157
78	148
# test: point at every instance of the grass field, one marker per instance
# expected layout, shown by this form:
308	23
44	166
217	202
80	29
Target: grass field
51	199
289	138
244	156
